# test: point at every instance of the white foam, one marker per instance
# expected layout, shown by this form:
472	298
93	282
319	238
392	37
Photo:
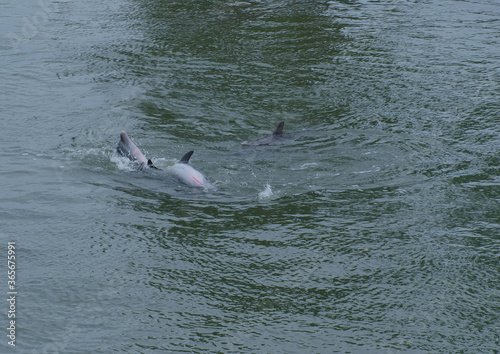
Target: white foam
266	193
122	163
308	165
374	169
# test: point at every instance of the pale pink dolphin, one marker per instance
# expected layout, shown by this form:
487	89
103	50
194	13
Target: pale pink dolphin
188	174
127	148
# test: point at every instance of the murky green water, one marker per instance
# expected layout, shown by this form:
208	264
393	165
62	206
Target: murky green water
371	227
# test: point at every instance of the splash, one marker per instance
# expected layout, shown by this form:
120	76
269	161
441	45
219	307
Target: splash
267	193
123	163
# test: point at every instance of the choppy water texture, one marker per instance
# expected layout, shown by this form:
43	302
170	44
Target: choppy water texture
372	226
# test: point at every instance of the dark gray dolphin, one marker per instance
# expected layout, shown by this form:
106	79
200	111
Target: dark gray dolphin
278	133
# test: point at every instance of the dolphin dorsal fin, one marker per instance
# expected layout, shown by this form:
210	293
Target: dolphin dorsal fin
279	128
186	157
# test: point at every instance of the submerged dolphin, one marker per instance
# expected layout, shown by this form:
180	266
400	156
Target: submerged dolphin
278	133
186	173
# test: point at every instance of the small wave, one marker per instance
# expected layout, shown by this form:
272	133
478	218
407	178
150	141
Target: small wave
308	165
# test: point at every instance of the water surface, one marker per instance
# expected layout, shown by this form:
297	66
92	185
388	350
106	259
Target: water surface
373	226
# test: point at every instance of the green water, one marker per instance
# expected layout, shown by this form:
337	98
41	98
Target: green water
371	227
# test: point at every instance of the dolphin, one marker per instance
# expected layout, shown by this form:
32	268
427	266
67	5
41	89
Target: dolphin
186	173
127	148
277	134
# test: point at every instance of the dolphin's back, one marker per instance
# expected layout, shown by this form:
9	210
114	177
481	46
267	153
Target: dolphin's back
190	175
278	133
